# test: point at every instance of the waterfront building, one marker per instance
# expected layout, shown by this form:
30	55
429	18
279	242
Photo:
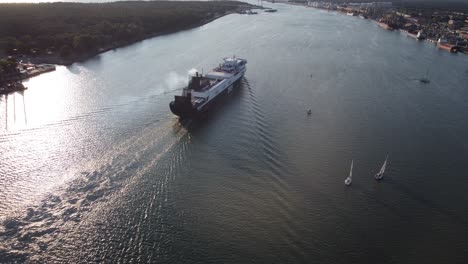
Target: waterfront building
464	35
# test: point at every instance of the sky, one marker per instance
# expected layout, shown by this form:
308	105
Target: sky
37	1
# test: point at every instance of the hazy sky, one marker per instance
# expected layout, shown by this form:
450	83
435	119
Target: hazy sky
357	1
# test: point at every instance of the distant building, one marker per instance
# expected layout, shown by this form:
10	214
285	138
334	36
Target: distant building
464	35
382	4
371	4
410	27
356	5
403	15
412	20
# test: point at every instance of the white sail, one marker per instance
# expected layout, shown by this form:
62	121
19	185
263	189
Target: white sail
350	177
382	170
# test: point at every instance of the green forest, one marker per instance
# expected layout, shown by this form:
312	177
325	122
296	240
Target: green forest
77	29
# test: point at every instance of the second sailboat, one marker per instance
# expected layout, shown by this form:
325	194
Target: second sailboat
379	176
349	180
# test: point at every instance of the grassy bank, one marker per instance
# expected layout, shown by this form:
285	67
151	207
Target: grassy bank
63	33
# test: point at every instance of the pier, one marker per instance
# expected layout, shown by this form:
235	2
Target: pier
11	82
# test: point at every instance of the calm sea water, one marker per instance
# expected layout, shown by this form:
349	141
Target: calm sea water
94	167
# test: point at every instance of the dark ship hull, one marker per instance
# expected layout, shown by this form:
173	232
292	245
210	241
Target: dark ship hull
182	107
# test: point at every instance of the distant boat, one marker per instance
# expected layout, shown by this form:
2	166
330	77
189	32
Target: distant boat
425	79
309	112
379	176
420	35
348	180
442	43
250	12
271	10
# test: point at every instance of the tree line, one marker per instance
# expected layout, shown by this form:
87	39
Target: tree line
76	28
7	66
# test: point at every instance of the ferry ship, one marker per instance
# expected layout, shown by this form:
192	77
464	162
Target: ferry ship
203	90
443	44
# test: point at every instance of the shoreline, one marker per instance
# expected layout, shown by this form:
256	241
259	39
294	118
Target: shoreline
15	84
57	60
382	25
29	64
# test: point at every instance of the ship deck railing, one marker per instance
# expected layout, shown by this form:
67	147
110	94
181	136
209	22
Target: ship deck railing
198	101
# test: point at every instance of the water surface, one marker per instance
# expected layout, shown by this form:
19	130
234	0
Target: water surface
94	167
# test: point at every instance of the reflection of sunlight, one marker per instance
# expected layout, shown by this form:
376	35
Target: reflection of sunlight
14	111
45	97
42	137
50	98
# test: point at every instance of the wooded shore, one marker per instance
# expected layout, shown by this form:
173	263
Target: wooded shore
64	33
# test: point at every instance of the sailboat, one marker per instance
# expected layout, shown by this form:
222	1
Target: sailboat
348	180
379	176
